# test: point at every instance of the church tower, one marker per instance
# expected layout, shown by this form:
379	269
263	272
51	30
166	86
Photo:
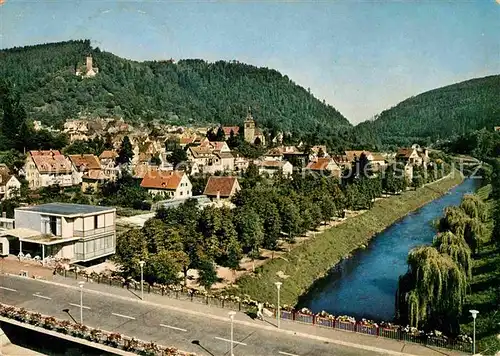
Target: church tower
249	128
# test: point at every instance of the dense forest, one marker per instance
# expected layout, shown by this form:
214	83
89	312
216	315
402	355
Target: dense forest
189	91
438	114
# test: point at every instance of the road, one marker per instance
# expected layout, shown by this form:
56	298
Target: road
188	332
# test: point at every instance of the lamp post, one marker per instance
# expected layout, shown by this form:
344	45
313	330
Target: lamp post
278	314
474	315
81	301
142	263
231	316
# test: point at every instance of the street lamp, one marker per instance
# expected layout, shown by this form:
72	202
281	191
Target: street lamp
474	315
278	285
231	316
81	283
142	263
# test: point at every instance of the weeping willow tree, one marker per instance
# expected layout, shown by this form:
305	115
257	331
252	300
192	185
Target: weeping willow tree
432	292
474	207
455	246
454	220
461	224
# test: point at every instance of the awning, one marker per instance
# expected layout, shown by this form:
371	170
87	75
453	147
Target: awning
33	236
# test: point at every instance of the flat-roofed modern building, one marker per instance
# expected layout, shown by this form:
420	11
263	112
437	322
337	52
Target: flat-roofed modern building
76	232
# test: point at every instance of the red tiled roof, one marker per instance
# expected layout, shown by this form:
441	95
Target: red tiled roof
109	154
85	162
321	164
222	185
187	140
228	129
404	152
45	153
352	155
51	162
272	164
168	180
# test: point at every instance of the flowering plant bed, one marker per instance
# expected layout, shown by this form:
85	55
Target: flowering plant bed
97	336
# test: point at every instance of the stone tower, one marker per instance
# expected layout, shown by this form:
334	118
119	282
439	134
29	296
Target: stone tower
249	128
89	63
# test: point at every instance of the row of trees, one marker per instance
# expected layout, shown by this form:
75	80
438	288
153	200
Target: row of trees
431	294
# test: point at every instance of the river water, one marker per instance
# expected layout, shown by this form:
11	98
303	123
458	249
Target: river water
364	286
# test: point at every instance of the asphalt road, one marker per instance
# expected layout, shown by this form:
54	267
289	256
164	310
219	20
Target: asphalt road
204	336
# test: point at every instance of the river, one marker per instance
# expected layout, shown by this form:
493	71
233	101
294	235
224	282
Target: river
364	285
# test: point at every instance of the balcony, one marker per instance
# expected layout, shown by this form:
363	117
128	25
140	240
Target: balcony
94	232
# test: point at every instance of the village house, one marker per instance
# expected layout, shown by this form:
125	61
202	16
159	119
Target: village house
241	163
91	180
342	161
324	166
272	167
9	184
414	155
108	163
221	187
78	233
89	169
318	151
377	160
169	184
76	130
210	157
186	140
46	168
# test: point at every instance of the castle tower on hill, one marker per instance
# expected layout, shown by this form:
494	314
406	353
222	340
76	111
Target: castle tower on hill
89	71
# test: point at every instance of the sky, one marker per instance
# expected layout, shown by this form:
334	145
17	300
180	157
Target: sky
361	57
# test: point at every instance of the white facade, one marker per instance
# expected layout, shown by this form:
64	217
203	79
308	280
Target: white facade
66	231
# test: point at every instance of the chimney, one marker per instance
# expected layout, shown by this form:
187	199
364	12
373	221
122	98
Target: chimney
89	63
4	215
218	195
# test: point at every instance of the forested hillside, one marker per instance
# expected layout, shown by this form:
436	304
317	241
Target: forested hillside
189	91
438	114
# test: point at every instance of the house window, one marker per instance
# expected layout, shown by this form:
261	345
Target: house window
181	192
96	221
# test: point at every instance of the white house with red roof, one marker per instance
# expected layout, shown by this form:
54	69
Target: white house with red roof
46	168
325	165
170	184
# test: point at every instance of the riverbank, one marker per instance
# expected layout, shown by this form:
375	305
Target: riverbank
301	267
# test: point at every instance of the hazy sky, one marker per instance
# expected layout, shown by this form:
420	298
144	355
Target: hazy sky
360	56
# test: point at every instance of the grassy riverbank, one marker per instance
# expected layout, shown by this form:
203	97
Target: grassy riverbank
485	293
314	258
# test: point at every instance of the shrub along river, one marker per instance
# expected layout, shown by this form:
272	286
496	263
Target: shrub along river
364	285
